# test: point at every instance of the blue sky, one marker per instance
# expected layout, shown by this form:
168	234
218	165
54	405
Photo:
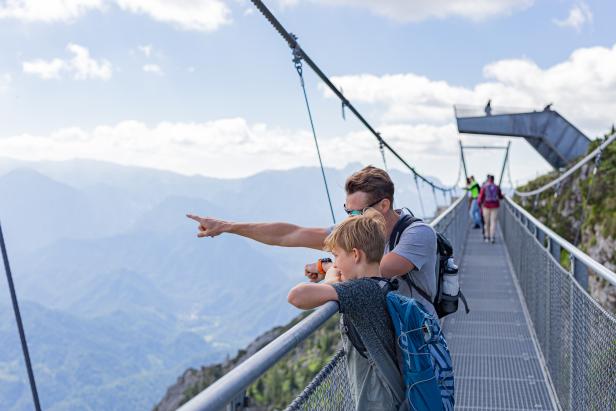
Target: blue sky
208	87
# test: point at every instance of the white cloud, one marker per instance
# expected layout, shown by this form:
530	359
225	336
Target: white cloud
81	65
226	148
146	50
45	69
579	15
153	68
580	87
201	15
85	67
47	10
418	10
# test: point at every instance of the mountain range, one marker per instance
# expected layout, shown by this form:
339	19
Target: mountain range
118	295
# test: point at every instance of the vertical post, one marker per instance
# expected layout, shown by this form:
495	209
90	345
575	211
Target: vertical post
580	272
530	226
500	180
238	403
540	237
554	249
20	326
580	333
463	160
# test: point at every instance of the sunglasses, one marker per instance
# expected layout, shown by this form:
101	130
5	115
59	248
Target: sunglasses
361	211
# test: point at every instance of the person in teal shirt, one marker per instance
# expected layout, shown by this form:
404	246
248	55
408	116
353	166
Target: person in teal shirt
473	188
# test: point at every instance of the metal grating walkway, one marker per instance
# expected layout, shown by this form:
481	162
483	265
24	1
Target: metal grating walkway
495	361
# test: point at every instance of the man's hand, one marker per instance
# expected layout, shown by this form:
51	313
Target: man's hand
209	227
332	276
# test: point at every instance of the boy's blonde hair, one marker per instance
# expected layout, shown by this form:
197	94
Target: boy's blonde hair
365	232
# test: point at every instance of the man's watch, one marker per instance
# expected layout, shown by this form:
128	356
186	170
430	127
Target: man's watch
320	262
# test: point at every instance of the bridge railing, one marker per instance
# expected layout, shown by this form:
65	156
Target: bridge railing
330	389
576	335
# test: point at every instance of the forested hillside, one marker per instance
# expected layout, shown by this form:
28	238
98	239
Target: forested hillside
583	211
279	385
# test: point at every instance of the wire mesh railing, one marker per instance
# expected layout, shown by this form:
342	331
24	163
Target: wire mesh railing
330	389
576	335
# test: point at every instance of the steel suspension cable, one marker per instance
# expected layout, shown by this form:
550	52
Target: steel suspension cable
20	326
423	210
577	166
298	66
292	42
435	200
383	155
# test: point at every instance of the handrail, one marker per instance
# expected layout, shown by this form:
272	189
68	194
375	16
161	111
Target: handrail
573	169
218	395
445	213
579	255
229	386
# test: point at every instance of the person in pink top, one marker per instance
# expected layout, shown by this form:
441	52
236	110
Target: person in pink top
489	201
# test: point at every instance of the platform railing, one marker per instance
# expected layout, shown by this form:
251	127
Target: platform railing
577	336
329	389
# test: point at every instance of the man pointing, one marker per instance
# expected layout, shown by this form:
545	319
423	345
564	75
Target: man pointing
371	187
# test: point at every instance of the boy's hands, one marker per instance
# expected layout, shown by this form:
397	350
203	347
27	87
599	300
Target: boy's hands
312	271
332	276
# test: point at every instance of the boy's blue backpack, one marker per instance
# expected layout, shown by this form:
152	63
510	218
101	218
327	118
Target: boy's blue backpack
424	359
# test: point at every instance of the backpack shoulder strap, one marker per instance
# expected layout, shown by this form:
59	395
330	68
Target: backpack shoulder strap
351	331
403	223
388	284
415	287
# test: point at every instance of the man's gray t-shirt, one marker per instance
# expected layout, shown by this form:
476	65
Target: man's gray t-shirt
418	245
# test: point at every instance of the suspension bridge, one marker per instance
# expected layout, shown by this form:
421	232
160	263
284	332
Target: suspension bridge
534	340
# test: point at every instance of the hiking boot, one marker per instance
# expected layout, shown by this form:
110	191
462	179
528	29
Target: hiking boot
493	240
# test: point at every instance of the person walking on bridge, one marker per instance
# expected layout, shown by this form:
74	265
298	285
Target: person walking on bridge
413	258
489	201
473	188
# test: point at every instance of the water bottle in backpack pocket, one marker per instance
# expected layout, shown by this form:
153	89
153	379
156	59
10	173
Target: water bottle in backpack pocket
446	271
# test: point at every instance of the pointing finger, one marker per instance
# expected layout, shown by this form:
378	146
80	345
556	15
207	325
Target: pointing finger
194	217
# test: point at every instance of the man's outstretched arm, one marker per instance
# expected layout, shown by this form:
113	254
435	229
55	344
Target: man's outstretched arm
281	234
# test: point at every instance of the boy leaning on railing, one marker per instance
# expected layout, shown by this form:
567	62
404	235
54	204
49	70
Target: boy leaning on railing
368	338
